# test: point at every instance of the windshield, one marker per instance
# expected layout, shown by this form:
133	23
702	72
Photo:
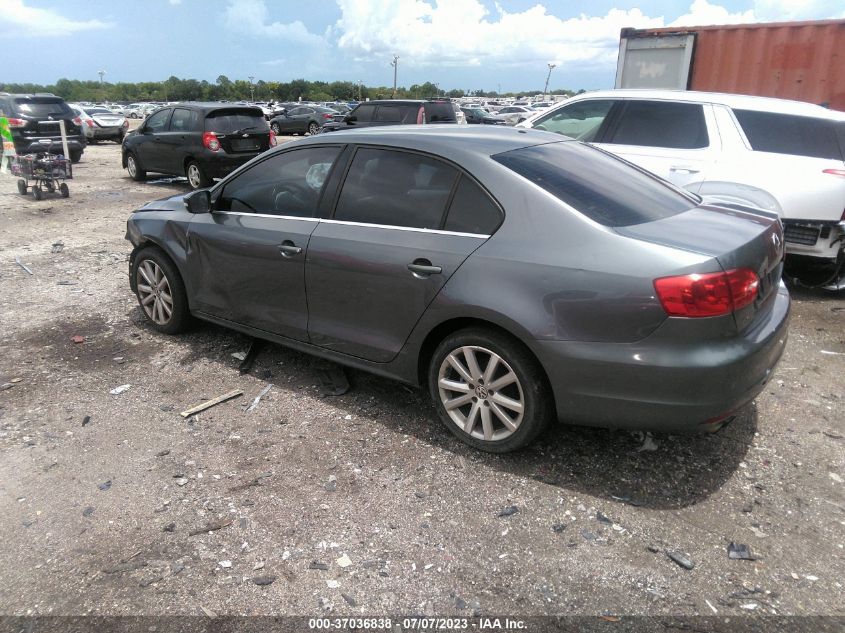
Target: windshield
98	111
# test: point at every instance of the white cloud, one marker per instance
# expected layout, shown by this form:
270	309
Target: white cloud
18	19
252	17
787	10
465	33
175	2
702	13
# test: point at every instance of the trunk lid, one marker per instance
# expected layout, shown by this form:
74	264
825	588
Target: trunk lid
737	236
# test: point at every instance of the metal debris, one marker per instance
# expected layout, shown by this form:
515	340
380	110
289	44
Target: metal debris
248	359
315	564
739	551
681	560
211	527
22	265
509	511
257	398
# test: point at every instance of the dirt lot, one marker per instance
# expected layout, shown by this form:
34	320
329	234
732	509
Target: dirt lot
363	503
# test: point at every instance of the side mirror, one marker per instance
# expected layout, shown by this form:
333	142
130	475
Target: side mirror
198	201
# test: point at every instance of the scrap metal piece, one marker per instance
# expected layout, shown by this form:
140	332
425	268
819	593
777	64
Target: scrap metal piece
207	405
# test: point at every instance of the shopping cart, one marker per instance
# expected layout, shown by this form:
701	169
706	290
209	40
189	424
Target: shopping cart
47	173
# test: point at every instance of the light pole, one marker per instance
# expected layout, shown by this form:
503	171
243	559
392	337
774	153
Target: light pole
251	89
546	89
359	90
395	64
101	73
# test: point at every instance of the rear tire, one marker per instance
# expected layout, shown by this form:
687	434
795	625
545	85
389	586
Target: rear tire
196	176
134	168
489	390
63	189
313	128
75	157
276	129
160	291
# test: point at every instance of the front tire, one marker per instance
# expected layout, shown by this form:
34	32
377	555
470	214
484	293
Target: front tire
160	291
313	128
489	390
196	176
276	129
134	168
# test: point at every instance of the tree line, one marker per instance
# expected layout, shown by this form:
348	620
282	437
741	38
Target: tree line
225	89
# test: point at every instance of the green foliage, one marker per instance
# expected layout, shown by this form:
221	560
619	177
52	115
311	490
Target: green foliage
176	89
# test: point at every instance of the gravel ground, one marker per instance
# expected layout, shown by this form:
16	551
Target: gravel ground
363	503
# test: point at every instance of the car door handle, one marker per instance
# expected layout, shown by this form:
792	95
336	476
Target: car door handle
686	169
423	268
289	249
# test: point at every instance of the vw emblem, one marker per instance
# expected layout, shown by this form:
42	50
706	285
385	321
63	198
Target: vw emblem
481	392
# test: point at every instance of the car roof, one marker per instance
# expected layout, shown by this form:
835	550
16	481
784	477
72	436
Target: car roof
454	142
404	101
210	106
741	102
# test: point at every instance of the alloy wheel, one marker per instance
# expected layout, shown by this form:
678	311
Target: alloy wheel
131	166
481	393
154	292
194	176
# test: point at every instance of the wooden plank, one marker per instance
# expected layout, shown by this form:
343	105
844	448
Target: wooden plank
207	405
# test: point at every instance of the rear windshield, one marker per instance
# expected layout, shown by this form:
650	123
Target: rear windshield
41	106
796	135
440	112
228	121
98	111
606	189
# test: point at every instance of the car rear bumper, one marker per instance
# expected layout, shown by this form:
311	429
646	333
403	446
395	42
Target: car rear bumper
219	165
108	132
664	383
32	146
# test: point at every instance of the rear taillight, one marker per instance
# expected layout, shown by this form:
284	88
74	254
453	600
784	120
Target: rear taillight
77	120
209	141
327	116
17	123
834	172
421	116
707	295
125	123
273	141
89	122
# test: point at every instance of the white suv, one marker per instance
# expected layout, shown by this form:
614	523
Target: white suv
784	156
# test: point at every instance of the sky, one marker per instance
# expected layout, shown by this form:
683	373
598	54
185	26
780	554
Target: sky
465	44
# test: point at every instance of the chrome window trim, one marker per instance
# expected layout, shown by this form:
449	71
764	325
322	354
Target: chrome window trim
346	222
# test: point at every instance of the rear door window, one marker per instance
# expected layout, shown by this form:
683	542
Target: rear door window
183	120
595	183
796	135
472	210
660	124
393	188
581	120
363	113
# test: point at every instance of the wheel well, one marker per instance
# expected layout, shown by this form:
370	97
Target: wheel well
188	160
432	340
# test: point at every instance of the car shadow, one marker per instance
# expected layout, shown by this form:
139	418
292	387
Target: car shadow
658	470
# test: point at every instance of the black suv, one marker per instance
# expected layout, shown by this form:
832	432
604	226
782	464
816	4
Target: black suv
198	140
35	117
395	112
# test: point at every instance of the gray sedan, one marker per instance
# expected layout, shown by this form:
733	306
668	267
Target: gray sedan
520	276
